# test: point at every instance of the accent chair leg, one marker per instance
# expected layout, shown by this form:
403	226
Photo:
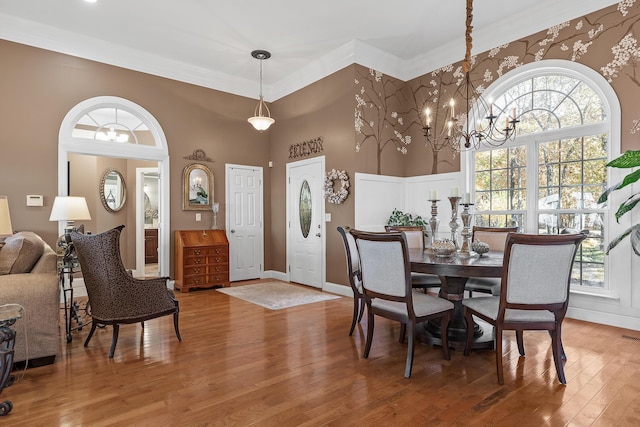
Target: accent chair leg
93	329
114	340
403	332
370	323
356	304
556	347
520	341
361	308
499	354
444	336
468	319
175	324
410	350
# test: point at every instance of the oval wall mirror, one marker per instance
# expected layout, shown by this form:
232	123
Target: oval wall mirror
113	191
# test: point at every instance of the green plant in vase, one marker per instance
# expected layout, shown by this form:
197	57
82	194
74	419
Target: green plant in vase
630	159
399	218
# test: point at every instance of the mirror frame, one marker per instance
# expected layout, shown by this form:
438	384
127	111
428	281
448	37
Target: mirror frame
103	197
191	173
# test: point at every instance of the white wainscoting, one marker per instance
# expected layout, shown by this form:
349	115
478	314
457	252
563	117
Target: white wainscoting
378	195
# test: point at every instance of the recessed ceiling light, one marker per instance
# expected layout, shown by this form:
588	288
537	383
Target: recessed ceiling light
91	1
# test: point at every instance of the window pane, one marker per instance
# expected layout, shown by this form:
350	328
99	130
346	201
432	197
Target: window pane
499	179
483	160
483	181
571	149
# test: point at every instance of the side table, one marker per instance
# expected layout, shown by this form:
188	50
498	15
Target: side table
9	313
73	311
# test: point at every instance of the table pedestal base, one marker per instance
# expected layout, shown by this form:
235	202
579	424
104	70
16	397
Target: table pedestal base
483	336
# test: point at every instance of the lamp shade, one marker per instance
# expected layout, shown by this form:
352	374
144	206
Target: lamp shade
5	217
69	208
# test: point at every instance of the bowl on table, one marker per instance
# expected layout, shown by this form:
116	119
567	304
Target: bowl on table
443	247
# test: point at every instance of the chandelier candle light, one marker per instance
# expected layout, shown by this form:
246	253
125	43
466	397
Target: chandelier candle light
259	121
494	130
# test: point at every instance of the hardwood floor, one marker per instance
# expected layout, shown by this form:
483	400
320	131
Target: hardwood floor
240	364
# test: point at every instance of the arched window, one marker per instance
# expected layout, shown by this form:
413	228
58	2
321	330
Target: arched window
550	177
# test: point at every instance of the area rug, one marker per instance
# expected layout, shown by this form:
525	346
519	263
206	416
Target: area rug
277	295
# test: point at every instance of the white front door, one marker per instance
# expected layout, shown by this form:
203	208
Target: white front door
244	221
305	221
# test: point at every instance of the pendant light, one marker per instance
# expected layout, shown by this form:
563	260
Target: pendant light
260	121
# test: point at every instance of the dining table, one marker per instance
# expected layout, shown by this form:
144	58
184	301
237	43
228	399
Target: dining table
454	271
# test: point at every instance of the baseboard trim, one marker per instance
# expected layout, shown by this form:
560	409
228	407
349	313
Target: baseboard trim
610	319
272	274
337	289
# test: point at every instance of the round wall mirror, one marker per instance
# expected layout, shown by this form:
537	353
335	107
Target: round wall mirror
113	191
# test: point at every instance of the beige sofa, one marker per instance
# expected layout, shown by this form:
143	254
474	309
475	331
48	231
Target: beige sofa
28	276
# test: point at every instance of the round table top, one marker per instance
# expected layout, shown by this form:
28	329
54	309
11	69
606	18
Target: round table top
487	265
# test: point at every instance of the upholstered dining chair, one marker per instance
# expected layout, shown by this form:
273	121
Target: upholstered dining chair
353	271
415	240
534	294
495	237
386	280
116	297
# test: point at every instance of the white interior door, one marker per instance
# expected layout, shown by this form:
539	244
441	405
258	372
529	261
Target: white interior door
305	220
244	221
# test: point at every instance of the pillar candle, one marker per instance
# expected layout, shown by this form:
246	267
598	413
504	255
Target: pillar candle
454	191
433	195
466	197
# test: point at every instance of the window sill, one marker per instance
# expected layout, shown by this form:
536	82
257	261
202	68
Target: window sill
595	294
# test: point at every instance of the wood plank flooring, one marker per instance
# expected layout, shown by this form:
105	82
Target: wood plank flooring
241	365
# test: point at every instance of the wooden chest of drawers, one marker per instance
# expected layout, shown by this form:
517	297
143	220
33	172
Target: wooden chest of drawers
202	259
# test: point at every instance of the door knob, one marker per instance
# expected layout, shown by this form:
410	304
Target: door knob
318	234
233	231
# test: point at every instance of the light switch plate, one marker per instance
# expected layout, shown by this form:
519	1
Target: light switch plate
327	217
198	217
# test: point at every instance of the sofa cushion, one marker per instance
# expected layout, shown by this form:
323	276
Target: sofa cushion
20	253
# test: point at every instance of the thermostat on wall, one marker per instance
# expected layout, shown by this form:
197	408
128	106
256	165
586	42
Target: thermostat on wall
34	200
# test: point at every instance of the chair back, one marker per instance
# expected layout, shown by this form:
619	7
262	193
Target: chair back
537	271
495	237
353	259
384	265
414	234
102	270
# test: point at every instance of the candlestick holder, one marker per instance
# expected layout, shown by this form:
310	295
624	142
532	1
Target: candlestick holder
465	251
453	224
433	221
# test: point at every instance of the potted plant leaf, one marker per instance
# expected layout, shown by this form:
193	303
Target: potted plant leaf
630	159
399	218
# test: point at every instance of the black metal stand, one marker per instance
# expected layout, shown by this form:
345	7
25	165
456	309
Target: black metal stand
7	349
73	311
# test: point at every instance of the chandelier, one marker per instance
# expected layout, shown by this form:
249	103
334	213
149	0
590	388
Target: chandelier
458	132
259	121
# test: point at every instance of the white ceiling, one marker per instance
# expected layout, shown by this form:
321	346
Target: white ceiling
208	43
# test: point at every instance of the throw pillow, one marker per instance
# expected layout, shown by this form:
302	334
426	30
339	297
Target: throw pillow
20	253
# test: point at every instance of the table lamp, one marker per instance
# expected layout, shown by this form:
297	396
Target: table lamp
69	209
5	217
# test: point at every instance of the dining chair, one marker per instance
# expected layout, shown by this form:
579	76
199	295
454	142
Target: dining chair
415	240
386	280
495	237
534	295
353	271
116	297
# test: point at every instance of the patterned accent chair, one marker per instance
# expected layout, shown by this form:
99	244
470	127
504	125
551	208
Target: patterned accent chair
415	240
386	279
495	237
353	270
534	293
115	296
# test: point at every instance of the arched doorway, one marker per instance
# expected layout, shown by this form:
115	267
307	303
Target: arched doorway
108	126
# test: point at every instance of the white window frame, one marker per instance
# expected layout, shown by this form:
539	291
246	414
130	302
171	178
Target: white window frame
615	267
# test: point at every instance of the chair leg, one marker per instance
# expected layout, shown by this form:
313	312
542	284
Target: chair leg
556	346
499	354
367	346
114	340
175	324
361	309
520	341
468	319
444	336
142	324
356	304
410	349
403	332
564	355
93	329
